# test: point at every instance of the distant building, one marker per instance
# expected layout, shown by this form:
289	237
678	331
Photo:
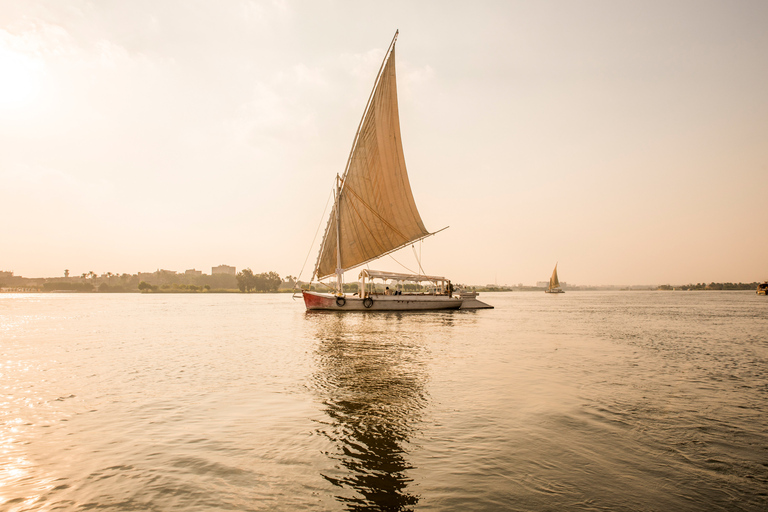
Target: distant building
223	269
6	274
158	277
545	284
193	272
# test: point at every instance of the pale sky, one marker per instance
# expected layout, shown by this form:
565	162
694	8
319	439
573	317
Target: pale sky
627	141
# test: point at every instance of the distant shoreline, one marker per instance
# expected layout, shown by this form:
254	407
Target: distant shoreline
164	281
238	292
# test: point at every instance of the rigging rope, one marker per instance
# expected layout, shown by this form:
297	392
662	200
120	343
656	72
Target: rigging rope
373	236
373	211
313	243
418	259
406	268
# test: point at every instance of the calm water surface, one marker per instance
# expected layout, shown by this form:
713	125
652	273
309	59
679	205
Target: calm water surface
585	401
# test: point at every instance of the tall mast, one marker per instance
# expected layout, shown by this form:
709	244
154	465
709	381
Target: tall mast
380	228
339	271
340	180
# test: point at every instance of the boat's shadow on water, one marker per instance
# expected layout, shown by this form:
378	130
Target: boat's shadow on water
371	379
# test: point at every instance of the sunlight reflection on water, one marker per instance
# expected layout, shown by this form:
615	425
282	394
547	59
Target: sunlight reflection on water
625	400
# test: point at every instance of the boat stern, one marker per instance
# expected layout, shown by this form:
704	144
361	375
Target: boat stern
469	301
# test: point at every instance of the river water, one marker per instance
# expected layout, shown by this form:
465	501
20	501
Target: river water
583	401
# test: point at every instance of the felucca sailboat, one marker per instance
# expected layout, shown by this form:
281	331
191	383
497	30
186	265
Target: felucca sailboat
554	283
374	214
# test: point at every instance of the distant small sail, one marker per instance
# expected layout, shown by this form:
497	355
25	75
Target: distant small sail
553	282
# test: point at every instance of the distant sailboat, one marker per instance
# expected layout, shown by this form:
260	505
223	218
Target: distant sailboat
554	283
374	214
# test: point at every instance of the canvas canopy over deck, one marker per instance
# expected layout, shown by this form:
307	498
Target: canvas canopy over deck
441	283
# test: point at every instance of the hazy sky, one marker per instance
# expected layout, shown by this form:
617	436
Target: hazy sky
627	141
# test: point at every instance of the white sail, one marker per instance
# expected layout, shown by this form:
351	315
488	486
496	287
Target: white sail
375	212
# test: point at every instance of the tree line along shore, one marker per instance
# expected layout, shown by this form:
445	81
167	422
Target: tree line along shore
162	281
711	286
247	281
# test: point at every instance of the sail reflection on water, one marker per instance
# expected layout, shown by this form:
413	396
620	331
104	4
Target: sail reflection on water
371	378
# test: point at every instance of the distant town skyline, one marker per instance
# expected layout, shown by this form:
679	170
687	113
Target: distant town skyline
625	142
232	270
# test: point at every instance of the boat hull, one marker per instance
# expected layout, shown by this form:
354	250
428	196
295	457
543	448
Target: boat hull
557	290
327	302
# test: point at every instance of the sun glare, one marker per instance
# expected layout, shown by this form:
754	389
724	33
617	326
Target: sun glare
20	79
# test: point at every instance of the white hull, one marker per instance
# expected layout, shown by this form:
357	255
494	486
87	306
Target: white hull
316	301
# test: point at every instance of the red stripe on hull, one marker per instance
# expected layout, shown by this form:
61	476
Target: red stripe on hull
313	301
327	302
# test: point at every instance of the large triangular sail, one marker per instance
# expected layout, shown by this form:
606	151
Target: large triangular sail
553	281
374	212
